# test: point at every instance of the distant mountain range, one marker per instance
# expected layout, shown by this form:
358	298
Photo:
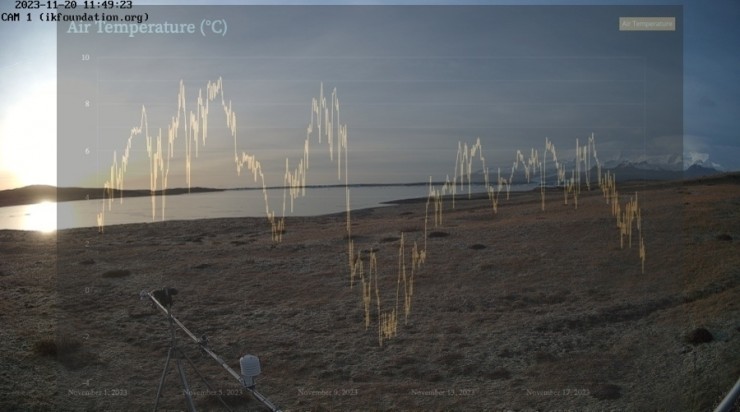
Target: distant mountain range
646	171
670	168
667	167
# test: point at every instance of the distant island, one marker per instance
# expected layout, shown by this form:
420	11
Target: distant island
40	193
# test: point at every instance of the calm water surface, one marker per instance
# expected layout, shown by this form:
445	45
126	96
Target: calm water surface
49	216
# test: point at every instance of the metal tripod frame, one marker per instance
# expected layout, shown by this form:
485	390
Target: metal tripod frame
180	371
203	343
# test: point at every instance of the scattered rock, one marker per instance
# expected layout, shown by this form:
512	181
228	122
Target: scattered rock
438	234
138	315
87	262
478	246
606	392
506	353
699	336
434	377
544	357
724	237
202	266
45	347
451	358
497	373
117	273
410	229
54	347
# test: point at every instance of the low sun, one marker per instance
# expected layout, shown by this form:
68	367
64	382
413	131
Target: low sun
28	144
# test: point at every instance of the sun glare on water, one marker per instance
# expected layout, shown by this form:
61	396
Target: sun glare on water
42	217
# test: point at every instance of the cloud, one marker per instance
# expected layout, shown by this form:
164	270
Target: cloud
697	151
696	143
691	158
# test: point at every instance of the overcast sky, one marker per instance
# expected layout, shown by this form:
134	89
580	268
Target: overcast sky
412	82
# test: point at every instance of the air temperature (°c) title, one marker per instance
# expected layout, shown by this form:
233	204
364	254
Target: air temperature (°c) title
207	27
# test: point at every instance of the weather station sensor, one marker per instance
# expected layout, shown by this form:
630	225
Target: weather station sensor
249	364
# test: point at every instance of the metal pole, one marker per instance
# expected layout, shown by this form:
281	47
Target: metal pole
264	400
173	345
161	381
185	386
732	396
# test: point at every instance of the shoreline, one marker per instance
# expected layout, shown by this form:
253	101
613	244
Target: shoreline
551	192
36	193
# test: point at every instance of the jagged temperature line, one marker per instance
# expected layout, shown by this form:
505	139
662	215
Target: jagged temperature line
324	125
192	128
387	320
626	217
571	181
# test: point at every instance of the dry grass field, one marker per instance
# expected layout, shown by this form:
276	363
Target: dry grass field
521	310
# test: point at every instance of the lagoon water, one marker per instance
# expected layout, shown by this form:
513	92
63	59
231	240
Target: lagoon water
51	216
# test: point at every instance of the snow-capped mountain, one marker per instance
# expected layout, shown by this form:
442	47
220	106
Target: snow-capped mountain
668	167
697	170
699	159
664	167
667	162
